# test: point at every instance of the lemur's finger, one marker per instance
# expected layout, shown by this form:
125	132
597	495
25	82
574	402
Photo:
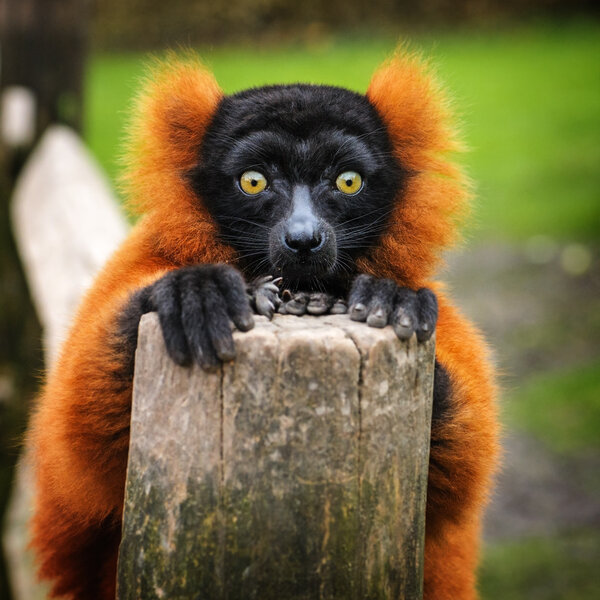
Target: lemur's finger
164	298
361	289
269	287
359	297
404	319
286	296
297	304
358	312
378	317
233	289
263	280
319	303
264	306
381	304
265	283
427	314
339	307
217	325
196	323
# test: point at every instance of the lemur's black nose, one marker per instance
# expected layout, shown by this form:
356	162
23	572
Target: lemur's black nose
302	235
302	231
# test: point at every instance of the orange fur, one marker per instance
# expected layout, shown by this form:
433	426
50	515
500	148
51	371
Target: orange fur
463	456
81	427
169	121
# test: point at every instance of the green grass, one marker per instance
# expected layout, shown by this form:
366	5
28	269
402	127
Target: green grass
562	567
532	118
562	409
528	98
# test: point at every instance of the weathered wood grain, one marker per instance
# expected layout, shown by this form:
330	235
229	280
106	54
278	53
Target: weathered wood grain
297	471
66	223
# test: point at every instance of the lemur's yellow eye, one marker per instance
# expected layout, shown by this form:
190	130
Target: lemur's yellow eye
349	182
253	182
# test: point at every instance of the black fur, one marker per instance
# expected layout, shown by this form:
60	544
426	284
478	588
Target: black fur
442	389
195	307
128	322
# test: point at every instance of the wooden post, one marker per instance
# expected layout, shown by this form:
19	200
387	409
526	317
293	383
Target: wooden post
297	471
300	473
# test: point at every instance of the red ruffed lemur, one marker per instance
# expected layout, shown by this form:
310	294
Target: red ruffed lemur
349	199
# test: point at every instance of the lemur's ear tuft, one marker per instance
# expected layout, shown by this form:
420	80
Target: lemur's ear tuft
417	116
168	124
415	109
169	119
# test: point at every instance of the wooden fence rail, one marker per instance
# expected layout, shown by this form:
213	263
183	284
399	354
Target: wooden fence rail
297	471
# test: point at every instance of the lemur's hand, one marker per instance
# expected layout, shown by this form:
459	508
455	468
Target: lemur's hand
313	303
263	294
195	307
382	302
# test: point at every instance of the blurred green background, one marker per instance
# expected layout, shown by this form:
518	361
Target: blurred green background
525	82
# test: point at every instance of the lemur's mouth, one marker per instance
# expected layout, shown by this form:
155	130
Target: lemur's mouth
309	276
304	266
302	273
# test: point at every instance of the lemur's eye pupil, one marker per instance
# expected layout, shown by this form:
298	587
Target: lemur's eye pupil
348	182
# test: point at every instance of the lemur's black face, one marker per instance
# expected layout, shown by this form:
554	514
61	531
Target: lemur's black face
300	180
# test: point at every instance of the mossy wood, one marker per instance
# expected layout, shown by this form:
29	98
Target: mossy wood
297	471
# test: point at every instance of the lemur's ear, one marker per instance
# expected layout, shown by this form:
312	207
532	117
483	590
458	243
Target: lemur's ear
171	114
417	117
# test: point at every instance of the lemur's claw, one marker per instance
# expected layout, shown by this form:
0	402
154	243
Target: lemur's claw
263	294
